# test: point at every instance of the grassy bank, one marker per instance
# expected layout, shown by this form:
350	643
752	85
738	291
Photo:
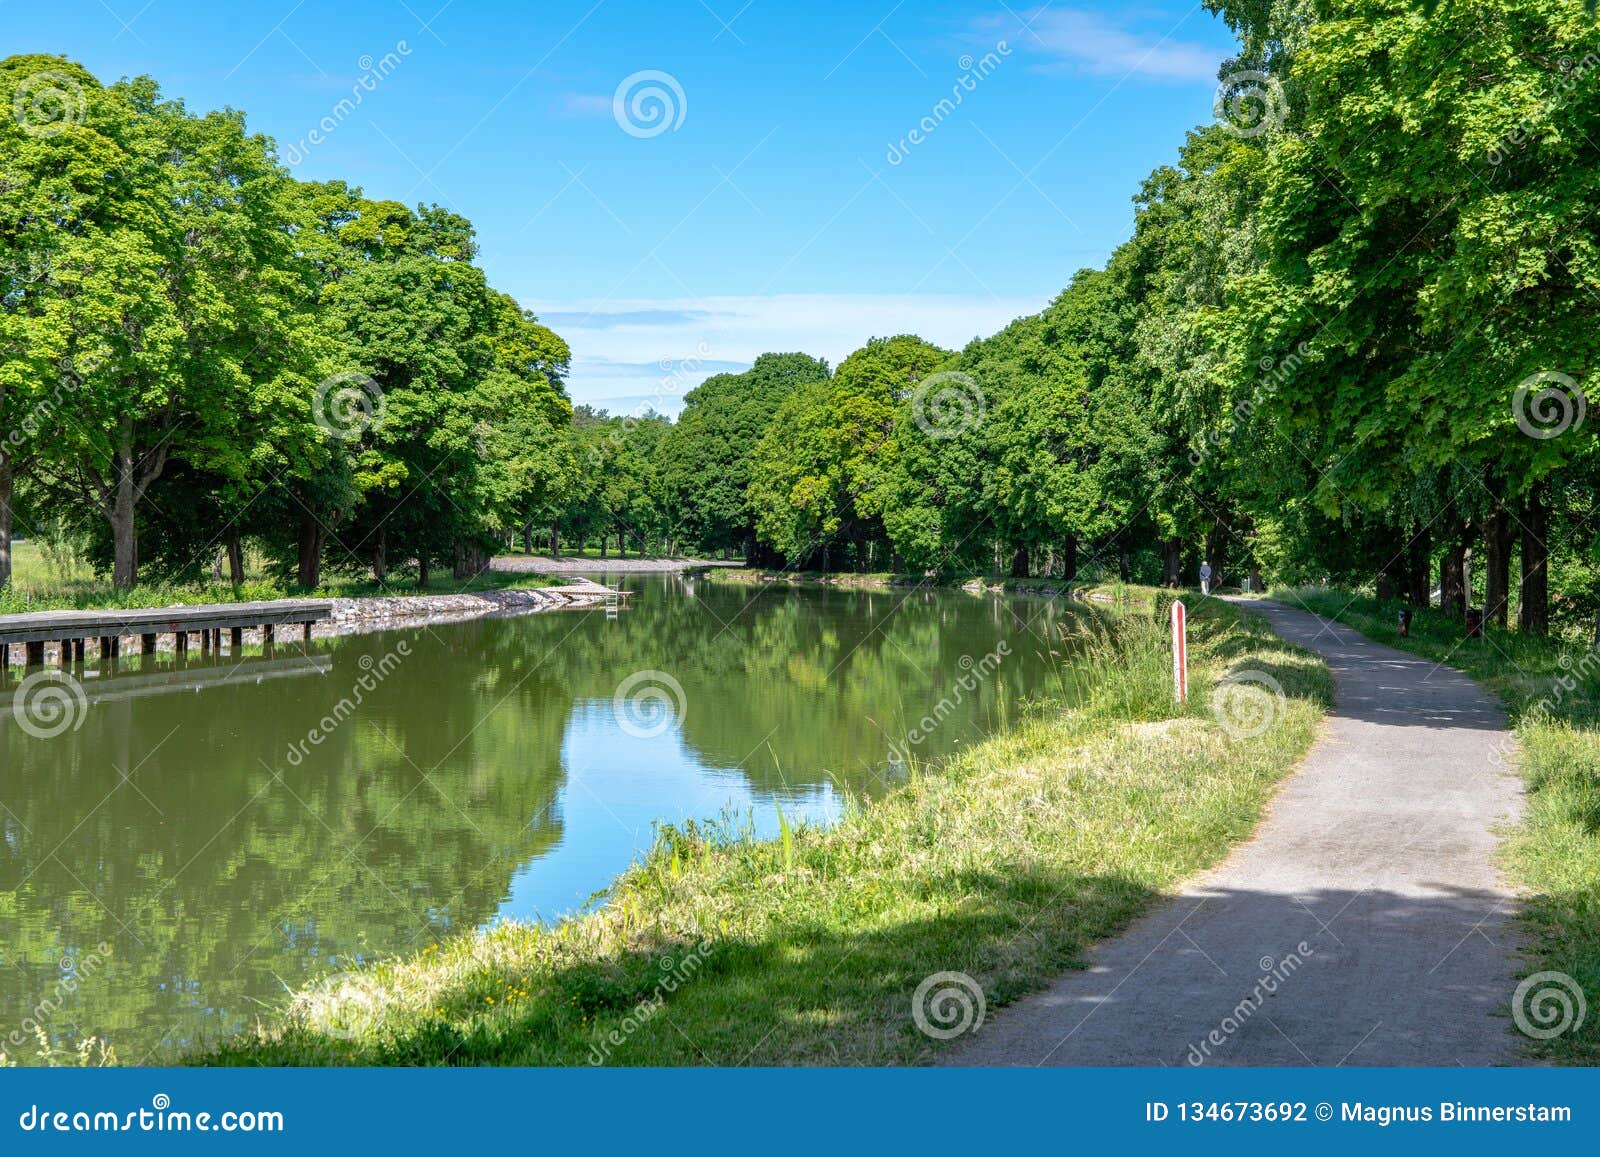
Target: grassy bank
1551	689
1004	864
883	579
42	582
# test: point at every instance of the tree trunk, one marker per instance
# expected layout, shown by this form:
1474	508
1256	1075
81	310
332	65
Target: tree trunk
1069	557
1451	565
1385	586
1171	562
1256	585
1417	551
1019	563
1216	554
527	538
309	574
1533	597
604	537
555	541
1497	567
216	564
422	569
1125	566
124	546
234	545
470	561
7	486
380	556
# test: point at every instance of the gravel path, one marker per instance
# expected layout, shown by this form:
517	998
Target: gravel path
1363	924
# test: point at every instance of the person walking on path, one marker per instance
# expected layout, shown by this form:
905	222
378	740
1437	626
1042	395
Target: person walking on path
1205	578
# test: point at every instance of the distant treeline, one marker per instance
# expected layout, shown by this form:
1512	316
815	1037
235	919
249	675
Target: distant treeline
1347	340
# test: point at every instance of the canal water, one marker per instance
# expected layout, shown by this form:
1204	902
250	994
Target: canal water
183	847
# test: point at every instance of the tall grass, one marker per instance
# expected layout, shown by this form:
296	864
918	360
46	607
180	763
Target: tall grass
1004	864
1119	667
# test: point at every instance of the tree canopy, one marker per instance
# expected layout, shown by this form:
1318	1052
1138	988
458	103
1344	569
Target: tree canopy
1348	338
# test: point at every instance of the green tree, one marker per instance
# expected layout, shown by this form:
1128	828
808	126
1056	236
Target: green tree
705	462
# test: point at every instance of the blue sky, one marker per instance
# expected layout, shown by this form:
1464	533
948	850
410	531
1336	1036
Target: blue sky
780	202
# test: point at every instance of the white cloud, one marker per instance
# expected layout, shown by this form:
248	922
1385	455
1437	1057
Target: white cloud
1094	43
584	104
627	354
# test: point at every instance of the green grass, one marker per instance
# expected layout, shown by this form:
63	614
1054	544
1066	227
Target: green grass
1551	690
888	579
588	554
41	581
1004	864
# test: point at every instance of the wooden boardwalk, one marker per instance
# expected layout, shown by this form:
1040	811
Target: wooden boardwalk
72	629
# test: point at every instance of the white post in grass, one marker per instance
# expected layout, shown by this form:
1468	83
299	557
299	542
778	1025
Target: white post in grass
1180	652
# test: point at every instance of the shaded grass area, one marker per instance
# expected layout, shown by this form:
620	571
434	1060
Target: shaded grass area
1551	689
757	575
40	582
1003	864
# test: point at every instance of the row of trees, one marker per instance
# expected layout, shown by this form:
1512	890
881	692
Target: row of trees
199	349
1347	339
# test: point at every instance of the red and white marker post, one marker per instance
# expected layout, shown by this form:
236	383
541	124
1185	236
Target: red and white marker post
1180	653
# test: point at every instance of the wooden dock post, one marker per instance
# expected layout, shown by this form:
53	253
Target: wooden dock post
66	654
35	653
5	658
180	642
236	641
205	642
307	635
78	648
147	644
